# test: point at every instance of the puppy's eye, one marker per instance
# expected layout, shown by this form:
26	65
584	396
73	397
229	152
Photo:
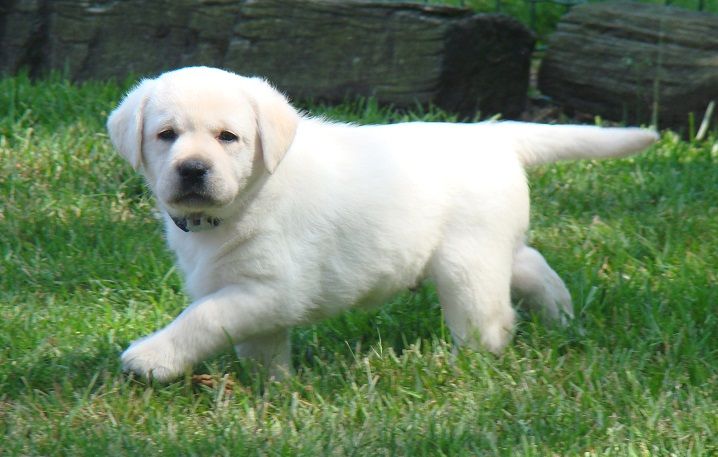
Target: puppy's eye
167	135
227	136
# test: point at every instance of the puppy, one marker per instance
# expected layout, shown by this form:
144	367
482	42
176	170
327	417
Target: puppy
279	219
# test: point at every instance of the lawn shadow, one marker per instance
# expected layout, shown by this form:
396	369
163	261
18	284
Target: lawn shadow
409	317
71	370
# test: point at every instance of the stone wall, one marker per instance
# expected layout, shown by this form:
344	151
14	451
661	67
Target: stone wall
325	50
637	63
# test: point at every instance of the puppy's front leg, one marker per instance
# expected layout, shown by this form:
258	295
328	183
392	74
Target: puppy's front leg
225	317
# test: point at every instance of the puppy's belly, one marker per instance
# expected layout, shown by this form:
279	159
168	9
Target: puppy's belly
325	307
364	288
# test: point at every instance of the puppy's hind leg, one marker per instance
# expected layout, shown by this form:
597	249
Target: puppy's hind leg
271	351
535	284
472	275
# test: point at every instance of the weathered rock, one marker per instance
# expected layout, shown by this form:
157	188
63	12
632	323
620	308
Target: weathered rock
401	53
633	62
21	33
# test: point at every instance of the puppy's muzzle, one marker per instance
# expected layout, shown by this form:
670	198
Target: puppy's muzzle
193	175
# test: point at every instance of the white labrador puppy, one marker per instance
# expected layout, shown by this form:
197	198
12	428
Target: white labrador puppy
279	220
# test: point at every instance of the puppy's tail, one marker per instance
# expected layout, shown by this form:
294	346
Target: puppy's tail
540	143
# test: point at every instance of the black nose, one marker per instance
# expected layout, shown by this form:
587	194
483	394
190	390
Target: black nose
192	171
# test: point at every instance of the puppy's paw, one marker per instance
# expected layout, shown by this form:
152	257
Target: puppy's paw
153	358
496	337
558	305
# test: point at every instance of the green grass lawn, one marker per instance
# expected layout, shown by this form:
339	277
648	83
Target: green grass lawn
84	271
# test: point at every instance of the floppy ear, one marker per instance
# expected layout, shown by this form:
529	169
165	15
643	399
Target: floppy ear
277	122
125	123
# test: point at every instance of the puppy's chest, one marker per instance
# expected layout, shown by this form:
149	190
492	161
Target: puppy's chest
209	267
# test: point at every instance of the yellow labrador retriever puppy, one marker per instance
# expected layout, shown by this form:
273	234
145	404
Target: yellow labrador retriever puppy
279	219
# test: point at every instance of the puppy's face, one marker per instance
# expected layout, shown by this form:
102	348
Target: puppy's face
200	136
199	146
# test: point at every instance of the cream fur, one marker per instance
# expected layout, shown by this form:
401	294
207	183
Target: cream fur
318	217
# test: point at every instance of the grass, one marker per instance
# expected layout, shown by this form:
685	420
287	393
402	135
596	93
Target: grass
84	271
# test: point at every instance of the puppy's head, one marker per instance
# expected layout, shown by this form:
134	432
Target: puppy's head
200	135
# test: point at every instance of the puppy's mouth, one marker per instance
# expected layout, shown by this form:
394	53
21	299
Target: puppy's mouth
194	200
188	211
